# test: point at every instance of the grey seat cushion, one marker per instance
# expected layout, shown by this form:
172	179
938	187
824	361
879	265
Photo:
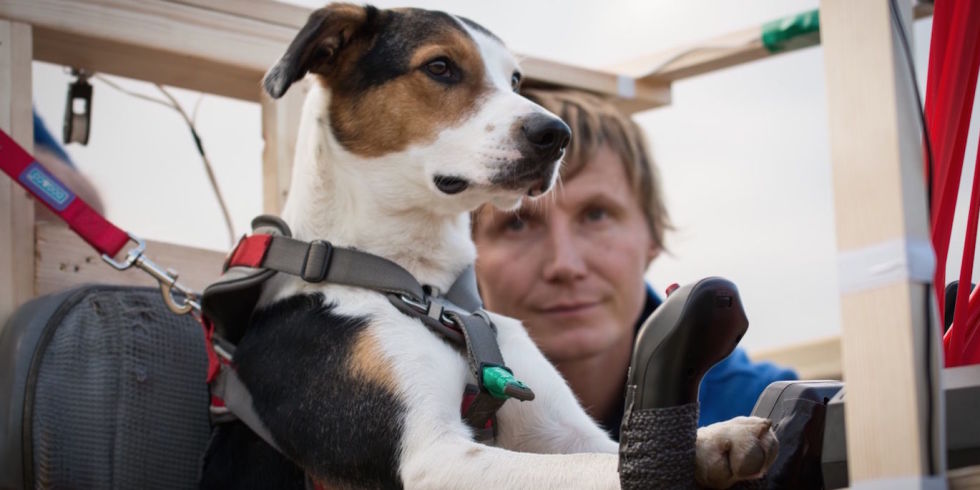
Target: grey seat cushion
102	387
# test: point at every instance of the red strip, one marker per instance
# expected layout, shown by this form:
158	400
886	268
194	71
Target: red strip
953	64
250	251
959	327
90	225
214	363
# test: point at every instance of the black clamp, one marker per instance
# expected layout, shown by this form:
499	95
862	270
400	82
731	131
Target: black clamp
78	109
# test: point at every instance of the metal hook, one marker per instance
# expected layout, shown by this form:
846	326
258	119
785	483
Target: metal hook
166	278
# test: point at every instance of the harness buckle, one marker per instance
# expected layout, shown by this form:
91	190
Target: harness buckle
317	261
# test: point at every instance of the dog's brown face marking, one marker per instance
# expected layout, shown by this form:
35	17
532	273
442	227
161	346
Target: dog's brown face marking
396	77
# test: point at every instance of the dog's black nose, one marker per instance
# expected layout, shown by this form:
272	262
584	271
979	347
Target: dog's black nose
547	135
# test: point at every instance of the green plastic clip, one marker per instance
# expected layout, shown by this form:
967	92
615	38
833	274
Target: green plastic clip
502	384
793	32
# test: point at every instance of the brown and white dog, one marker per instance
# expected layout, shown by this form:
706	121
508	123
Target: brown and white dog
413	121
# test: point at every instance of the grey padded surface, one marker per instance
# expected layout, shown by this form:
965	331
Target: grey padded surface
120	398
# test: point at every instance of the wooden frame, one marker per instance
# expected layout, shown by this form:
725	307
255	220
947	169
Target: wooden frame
224	47
16	210
874	137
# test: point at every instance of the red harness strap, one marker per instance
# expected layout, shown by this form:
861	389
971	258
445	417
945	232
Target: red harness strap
92	227
250	251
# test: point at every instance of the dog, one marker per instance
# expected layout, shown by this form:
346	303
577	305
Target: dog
413	120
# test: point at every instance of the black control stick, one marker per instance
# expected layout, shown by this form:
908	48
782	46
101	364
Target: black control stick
697	326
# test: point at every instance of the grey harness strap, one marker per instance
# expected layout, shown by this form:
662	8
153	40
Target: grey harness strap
227	386
456	315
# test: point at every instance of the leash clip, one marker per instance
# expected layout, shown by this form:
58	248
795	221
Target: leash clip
167	278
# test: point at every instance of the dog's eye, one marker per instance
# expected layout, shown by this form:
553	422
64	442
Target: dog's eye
441	69
515	81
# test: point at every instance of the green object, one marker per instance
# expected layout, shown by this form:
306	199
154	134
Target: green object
496	380
793	32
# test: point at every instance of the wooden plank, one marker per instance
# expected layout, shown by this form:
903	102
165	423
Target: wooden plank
965	478
879	198
687	61
815	359
231	38
631	94
64	261
280	126
164	67
715	54
220	38
272	11
16	209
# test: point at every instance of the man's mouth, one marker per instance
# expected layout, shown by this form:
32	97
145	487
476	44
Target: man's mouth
569	309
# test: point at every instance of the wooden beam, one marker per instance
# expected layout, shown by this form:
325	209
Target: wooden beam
97	55
715	54
280	126
710	55
815	359
967	478
630	94
229	44
64	261
879	198
16	209
272	11
220	38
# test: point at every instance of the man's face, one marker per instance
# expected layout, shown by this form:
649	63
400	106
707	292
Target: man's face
570	265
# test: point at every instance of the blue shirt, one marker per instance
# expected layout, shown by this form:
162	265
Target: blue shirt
44	139
728	389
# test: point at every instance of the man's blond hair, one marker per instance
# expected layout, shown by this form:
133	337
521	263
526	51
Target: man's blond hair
595	122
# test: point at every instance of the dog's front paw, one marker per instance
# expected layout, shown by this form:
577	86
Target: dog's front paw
742	448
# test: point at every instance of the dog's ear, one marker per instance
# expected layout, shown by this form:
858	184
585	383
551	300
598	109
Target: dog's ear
317	44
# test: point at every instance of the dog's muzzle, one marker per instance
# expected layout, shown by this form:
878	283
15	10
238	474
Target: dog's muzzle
546	136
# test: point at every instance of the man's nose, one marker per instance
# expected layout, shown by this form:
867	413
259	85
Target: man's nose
566	261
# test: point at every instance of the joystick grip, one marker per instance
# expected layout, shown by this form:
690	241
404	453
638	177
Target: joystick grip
697	326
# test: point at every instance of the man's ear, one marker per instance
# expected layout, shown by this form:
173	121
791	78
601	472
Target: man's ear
653	252
326	33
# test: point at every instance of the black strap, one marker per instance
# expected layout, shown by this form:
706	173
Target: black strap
319	261
464	292
481	351
460	307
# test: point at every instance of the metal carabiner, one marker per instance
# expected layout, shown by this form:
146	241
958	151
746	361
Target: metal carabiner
166	278
131	256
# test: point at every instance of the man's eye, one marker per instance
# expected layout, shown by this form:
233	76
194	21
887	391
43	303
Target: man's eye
515	224
595	214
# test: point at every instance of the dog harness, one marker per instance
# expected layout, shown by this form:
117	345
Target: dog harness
457	316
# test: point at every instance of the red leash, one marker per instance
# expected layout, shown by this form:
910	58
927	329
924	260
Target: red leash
102	235
90	225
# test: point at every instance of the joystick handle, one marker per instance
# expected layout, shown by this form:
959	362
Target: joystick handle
697	326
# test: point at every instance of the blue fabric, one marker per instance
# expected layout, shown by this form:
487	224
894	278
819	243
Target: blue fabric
732	386
44	139
728	389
